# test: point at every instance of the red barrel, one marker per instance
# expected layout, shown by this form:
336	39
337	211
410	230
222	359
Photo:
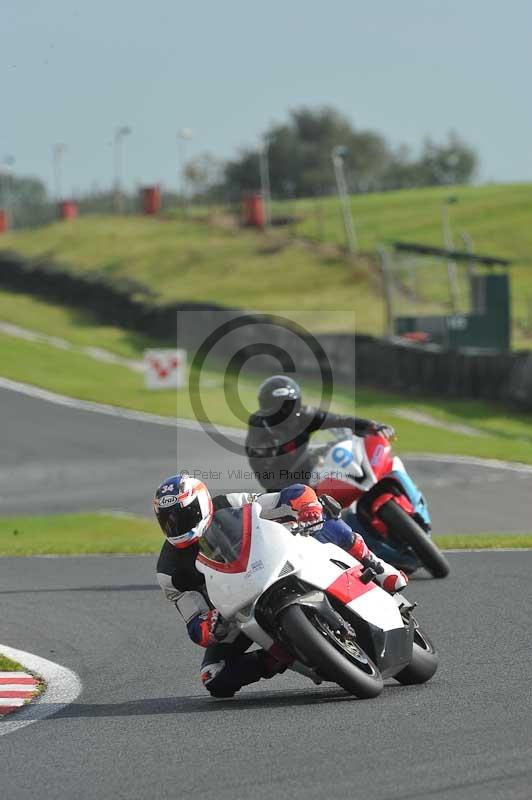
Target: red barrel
253	211
4	220
67	209
151	199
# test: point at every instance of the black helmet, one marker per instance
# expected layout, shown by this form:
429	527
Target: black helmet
280	397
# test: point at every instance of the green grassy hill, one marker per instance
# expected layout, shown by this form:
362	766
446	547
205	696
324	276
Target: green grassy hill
195	261
180	260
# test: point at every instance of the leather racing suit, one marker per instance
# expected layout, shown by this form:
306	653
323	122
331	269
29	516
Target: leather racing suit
277	448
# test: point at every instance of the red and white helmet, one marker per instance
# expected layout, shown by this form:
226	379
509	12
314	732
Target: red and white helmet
183	507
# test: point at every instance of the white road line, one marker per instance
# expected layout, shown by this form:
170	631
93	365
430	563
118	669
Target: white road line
16	687
472	461
97	353
62	687
114	411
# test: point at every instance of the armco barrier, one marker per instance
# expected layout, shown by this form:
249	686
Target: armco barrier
393	365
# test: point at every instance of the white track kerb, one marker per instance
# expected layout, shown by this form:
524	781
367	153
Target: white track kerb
62	687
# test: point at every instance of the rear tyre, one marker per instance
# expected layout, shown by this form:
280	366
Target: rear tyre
336	658
405	528
424	661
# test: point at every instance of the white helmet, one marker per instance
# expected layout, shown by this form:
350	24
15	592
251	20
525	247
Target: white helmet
183	507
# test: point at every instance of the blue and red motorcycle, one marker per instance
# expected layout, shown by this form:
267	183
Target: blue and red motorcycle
380	500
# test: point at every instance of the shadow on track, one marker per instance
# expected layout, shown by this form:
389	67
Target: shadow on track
192	704
142	587
422	576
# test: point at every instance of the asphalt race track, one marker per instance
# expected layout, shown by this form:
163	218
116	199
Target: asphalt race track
59	459
143	726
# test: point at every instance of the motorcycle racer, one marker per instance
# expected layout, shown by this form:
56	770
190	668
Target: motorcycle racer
184	510
279	433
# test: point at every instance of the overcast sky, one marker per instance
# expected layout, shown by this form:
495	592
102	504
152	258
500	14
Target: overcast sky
73	70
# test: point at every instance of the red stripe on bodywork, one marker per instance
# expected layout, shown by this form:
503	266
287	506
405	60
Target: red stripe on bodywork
349	586
341	490
241	563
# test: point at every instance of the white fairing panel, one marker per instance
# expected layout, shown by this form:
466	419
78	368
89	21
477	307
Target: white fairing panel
397	465
375	606
378	608
271	546
342	460
316	567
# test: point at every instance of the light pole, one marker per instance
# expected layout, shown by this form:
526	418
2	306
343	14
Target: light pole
120	133
265	179
184	135
6	171
58	153
449	245
338	154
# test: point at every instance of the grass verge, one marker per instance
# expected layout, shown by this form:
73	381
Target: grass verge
484	541
80	534
79	328
7	665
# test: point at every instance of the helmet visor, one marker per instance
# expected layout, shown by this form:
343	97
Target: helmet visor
178	520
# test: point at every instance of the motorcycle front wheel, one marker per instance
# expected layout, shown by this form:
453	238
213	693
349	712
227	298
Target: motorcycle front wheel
405	528
336	657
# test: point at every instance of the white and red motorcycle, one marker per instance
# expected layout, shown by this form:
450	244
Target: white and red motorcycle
311	604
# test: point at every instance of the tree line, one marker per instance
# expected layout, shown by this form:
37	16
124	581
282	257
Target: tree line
298	155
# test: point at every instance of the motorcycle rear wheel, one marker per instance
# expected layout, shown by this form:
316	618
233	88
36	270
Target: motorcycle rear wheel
335	658
424	661
405	528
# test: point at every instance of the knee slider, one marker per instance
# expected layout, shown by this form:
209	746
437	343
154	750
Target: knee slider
212	677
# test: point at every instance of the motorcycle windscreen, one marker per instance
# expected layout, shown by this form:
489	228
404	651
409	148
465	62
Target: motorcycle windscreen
225	544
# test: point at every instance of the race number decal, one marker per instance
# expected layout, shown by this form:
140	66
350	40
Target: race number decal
342	456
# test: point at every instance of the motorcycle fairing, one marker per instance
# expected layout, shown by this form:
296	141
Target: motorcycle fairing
411	490
272	548
367	601
239	564
390	650
378	451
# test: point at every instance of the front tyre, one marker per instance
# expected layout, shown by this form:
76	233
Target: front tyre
336	658
424	661
405	528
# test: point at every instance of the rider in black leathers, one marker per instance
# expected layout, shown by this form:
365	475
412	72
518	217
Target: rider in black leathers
279	433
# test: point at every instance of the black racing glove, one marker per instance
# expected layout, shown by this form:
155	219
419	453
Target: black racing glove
385	430
331	507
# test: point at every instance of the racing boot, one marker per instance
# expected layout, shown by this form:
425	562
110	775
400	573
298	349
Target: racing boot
387	577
